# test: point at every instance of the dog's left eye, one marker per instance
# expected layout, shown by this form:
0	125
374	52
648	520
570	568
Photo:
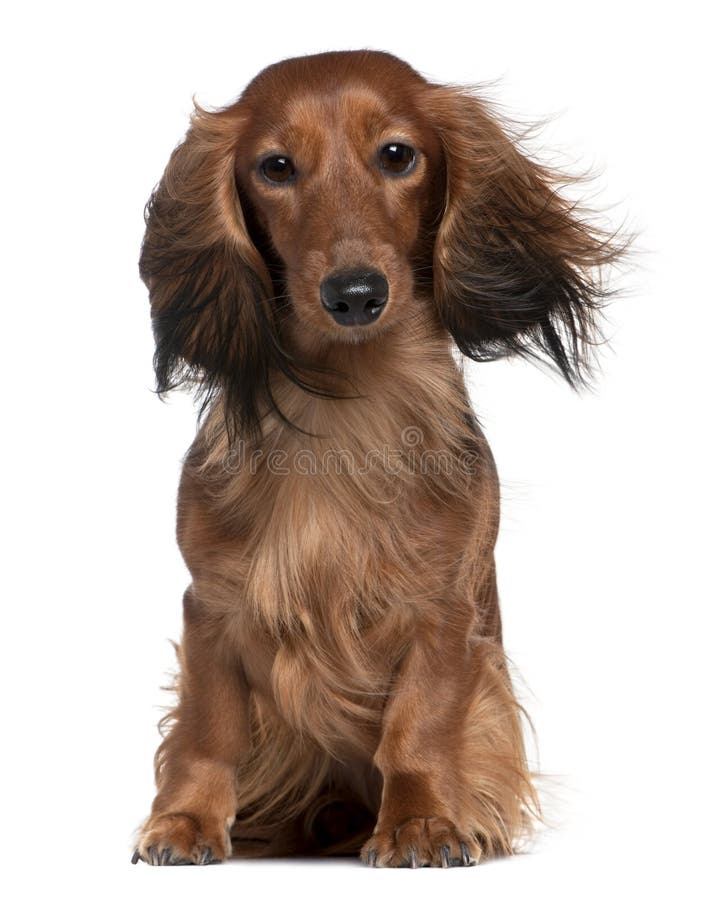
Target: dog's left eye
397	158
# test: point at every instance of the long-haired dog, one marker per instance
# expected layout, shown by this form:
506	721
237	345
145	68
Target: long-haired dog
319	256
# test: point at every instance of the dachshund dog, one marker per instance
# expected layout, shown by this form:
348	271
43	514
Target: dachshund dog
320	255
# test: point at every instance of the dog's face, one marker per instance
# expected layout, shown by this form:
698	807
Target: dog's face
342	176
340	196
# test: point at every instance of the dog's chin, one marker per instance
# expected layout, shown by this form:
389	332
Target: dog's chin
313	332
356	334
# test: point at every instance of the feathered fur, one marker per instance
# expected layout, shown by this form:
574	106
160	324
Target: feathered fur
342	680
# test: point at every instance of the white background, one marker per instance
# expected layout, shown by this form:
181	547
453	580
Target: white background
603	555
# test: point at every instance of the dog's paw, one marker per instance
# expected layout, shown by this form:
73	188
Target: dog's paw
431	841
180	840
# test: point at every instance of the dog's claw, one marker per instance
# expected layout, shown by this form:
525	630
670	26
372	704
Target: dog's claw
466	858
166	858
371	859
413	859
445	857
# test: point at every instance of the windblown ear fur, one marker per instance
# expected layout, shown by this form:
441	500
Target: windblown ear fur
516	269
207	281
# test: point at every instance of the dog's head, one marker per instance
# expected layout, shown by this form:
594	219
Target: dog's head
336	198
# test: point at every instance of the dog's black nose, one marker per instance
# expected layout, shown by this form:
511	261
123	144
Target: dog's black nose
354	298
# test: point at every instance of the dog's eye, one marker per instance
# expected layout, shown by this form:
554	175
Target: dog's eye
397	158
278	169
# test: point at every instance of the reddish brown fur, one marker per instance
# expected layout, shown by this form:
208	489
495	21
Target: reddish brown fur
341	668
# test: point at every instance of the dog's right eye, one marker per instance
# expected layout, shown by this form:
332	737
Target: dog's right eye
278	169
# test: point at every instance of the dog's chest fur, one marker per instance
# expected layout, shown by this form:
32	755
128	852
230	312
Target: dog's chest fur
334	549
331	601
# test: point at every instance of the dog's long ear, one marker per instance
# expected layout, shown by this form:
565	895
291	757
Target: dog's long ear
516	269
207	281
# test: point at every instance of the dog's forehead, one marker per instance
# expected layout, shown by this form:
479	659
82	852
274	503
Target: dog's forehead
332	69
367	89
356	110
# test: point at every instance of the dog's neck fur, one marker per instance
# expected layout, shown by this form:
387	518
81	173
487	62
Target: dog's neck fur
402	390
333	520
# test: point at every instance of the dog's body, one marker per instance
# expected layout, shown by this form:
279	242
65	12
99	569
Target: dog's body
311	253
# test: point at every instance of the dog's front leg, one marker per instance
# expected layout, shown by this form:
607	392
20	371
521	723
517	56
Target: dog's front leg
196	763
418	757
454	774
